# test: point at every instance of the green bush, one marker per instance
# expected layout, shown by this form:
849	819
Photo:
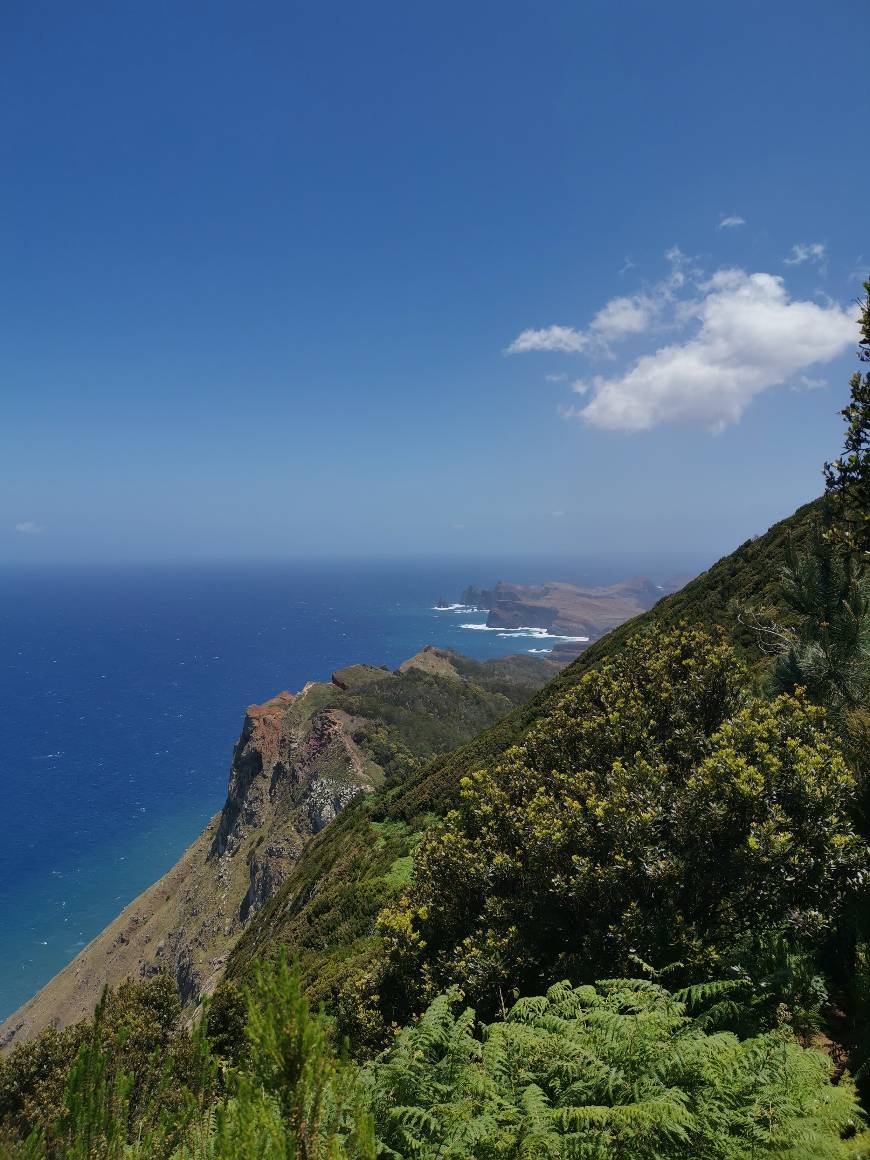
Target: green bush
619	1069
659	811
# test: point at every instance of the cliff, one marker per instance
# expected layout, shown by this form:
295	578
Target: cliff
299	761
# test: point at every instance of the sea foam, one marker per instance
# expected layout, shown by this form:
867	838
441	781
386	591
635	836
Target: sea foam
525	631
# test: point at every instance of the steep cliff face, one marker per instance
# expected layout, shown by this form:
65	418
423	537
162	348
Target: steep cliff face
264	747
300	760
294	768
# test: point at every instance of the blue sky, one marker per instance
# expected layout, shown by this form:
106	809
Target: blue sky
263	266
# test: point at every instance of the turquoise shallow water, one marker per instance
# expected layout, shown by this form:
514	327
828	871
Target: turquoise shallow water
123	693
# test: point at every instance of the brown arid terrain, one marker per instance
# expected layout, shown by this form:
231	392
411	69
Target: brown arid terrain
568	610
299	761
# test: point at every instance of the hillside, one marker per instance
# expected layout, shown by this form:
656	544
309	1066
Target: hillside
376	755
299	762
325	911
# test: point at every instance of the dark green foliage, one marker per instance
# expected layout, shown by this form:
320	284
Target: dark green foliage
615	1070
429	714
132	1040
659	810
227	1018
386	751
847	479
95	1119
32	1077
129	1078
618	1069
290	1095
294	1097
827	651
829	594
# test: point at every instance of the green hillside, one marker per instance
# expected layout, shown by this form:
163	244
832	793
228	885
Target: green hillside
325	914
623	920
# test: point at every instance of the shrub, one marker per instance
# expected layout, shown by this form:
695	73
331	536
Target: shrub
660	810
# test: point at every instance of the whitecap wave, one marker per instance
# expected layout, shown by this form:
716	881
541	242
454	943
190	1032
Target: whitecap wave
525	630
458	608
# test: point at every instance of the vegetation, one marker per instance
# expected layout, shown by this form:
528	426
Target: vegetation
827	652
660	810
327	911
403	718
617	1069
847	479
687	803
80	1090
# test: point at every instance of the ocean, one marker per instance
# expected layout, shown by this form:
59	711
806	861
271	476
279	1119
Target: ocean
123	692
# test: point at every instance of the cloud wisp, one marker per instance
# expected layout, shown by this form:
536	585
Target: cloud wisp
739	334
29	528
805	383
730	221
806	252
618	318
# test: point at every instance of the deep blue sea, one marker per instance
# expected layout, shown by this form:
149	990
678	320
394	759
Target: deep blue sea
123	692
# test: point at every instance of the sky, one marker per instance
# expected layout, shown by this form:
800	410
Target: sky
391	279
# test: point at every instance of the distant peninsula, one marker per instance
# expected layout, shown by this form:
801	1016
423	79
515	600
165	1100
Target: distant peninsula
571	615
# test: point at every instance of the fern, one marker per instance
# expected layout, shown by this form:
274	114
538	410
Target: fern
620	1069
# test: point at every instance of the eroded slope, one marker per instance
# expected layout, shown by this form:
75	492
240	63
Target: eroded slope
299	762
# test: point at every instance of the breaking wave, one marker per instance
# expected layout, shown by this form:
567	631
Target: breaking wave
457	608
526	631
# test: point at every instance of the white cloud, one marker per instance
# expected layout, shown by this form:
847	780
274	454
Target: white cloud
618	318
805	252
730	221
806	384
749	336
622	316
628	264
561	338
29	528
555	378
723	339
